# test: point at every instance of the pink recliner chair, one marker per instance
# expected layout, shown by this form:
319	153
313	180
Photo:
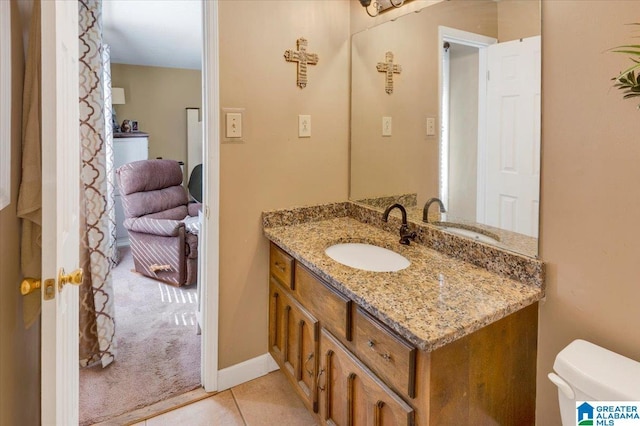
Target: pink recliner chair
160	220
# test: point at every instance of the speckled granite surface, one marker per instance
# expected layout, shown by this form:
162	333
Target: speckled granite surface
434	301
298	215
504	262
508	240
407	200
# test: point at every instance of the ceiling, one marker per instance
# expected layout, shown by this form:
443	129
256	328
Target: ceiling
159	33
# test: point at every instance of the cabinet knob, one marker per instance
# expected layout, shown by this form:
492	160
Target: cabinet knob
386	356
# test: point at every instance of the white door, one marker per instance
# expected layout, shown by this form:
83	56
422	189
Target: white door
513	136
194	141
60	209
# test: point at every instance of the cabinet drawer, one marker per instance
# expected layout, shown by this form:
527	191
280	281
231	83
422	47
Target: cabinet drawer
323	302
281	265
393	359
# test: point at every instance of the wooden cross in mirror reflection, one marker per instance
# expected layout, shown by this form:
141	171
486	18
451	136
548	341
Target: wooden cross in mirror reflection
303	59
389	68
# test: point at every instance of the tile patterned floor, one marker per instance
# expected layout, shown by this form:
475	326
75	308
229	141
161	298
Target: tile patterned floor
268	400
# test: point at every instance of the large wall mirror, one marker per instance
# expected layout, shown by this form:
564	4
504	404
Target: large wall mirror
445	102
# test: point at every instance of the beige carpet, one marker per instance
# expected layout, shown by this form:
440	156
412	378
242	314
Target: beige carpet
158	348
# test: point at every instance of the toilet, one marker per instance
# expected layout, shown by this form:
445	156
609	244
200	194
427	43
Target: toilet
587	372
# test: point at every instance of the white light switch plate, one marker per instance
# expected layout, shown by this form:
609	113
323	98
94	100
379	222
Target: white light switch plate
304	126
233	122
386	126
233	125
431	126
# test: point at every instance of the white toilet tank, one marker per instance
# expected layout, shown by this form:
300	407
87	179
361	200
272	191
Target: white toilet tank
586	372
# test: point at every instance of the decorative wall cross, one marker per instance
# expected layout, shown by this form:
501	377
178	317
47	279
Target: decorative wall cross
389	68
303	59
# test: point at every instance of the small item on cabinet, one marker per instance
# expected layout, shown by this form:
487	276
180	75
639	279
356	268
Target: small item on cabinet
114	123
134	125
126	126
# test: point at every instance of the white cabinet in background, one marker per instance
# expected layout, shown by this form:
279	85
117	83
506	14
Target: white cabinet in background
127	147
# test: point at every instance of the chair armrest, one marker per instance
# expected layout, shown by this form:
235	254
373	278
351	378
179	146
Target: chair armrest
160	227
194	208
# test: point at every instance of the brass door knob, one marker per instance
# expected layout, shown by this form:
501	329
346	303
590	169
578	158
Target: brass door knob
29	285
74	278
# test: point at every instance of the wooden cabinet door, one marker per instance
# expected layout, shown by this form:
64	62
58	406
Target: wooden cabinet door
277	301
351	395
293	337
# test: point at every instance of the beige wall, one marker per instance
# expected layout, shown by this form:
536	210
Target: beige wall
19	348
157	97
518	19
590	200
274	168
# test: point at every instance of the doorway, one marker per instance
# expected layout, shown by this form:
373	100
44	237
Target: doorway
489	166
206	372
463	94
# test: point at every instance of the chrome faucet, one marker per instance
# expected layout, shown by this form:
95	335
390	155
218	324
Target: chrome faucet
425	210
405	234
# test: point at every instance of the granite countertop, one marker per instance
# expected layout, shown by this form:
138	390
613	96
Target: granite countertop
436	300
507	240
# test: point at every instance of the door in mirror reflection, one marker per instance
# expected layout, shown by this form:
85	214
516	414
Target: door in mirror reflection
513	136
490	142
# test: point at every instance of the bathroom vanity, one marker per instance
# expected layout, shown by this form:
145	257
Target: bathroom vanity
442	342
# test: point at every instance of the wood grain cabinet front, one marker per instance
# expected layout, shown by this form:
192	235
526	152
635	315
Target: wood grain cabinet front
389	356
281	265
323	302
352	370
351	394
294	343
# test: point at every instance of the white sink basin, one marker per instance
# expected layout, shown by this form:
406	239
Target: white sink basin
367	257
470	234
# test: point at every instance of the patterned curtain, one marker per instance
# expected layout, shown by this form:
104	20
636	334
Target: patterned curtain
97	313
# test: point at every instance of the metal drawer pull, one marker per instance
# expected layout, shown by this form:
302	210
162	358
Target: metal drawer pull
280	266
309	358
385	356
320	387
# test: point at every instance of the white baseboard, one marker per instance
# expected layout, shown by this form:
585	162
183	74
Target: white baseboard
246	371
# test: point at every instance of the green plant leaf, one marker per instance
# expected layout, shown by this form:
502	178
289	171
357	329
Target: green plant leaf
634	46
629	70
627	80
628	52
